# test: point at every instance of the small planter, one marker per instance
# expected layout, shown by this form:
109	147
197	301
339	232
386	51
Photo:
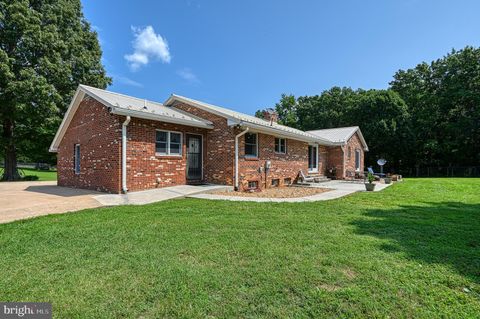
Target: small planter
387	180
369	187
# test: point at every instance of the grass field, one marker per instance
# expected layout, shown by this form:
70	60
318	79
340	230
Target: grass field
412	250
42	175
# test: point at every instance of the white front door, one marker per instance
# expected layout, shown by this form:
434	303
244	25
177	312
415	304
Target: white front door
312	158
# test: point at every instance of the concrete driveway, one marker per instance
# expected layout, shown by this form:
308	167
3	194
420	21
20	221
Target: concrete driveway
20	200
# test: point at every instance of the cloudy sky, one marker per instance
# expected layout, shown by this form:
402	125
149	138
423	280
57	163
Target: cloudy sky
245	54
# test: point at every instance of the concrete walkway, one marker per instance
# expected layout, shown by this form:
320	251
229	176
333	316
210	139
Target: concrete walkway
338	189
157	195
21	200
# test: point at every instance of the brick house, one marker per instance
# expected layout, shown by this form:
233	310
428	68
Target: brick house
116	143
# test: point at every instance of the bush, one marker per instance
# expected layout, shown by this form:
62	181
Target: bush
30	178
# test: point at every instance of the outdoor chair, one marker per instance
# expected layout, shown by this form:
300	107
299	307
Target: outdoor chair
377	175
306	179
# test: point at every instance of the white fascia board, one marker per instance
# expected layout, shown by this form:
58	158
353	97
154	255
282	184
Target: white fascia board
158	117
279	133
360	136
72	108
173	98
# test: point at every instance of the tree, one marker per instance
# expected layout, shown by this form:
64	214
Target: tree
47	48
381	114
444	99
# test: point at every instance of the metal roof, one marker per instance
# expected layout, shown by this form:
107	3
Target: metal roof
340	135
123	104
237	118
128	106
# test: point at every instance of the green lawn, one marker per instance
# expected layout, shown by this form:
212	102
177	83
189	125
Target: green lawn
412	250
42	175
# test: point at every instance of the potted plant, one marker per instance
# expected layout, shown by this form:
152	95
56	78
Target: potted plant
370	186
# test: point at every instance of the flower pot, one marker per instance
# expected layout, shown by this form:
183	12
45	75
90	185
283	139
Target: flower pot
369	187
387	180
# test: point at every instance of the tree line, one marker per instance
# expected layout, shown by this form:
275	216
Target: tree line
429	115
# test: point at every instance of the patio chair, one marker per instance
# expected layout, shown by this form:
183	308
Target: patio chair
306	179
377	175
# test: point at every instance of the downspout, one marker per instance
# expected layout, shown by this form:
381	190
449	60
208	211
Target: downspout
124	155
343	157
236	156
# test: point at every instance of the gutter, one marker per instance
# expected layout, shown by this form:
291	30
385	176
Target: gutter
158	117
236	156
124	155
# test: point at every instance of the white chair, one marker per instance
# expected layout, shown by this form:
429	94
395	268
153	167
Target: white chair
306	179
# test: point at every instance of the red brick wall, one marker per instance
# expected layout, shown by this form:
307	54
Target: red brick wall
336	157
145	169
282	165
99	135
219	147
353	143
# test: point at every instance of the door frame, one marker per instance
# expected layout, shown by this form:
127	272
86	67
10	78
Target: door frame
186	154
316	157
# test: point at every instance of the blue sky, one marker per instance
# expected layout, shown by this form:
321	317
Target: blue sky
245	54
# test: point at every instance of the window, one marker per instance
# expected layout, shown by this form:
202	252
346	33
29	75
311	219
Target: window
312	158
280	145
357	160
287	181
252	184
251	146
275	182
76	158
168	143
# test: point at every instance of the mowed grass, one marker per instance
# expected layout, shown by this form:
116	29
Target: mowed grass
412	250
42	175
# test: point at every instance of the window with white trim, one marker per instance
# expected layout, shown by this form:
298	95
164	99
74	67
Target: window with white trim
357	160
168	143
76	158
251	145
280	145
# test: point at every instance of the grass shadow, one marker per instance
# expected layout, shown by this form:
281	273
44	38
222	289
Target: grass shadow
436	233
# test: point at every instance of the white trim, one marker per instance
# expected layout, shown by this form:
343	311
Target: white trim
124	154
168	143
72	108
186	152
274	144
158	117
357	151
256	142
237	155
315	170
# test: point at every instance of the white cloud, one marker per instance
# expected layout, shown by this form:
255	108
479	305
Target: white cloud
127	81
147	46
188	75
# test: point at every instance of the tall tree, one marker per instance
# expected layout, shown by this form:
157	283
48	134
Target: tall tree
444	99
381	114
47	48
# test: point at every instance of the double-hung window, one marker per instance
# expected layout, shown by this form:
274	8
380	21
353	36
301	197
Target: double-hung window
251	145
357	160
280	145
168	143
76	158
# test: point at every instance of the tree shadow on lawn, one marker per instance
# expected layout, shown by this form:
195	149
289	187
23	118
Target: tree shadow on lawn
436	233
